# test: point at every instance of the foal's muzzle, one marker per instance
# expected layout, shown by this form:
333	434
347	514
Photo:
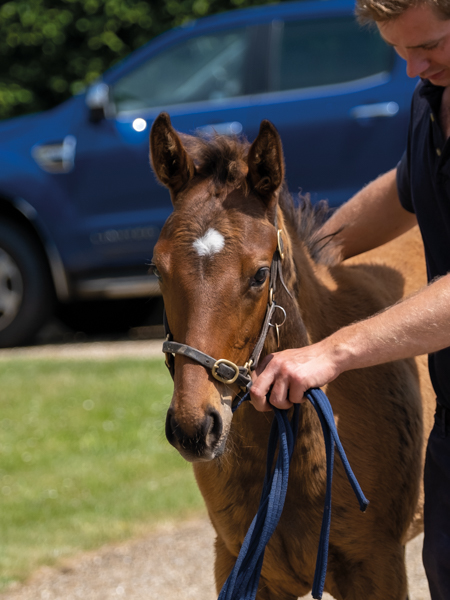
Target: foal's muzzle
205	443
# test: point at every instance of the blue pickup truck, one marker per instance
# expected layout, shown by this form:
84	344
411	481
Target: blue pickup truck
80	209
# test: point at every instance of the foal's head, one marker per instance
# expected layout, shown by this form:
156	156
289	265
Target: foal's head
213	259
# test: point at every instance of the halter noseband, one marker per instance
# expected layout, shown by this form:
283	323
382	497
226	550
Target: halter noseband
222	369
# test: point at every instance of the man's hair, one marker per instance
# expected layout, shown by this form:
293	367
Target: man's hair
383	10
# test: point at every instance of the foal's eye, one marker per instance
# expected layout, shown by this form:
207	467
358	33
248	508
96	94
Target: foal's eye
260	277
154	271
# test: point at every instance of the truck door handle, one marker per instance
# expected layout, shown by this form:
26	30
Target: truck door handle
231	128
370	111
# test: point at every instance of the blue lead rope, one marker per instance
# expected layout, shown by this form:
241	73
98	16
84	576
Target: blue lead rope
242	583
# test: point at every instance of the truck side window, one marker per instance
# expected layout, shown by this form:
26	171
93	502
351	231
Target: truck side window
326	52
205	68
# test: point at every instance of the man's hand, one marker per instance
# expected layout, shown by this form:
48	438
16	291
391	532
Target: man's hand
289	374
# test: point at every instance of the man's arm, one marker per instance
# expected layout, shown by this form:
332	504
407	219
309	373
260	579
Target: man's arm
418	325
415	326
371	218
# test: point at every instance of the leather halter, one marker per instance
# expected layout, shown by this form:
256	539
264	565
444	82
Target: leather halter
224	370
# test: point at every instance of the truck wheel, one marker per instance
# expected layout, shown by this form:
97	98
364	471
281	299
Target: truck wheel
26	290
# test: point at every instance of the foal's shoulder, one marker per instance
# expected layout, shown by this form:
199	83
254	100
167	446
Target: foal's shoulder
404	255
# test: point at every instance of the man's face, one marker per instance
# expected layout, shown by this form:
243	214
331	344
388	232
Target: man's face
423	40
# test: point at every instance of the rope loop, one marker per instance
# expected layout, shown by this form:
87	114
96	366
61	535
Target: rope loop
242	583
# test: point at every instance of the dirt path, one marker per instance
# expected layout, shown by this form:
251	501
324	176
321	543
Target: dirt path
89	350
174	562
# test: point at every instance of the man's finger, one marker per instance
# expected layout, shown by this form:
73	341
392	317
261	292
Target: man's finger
259	391
279	395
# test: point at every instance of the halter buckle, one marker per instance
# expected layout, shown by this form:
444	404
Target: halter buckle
223	361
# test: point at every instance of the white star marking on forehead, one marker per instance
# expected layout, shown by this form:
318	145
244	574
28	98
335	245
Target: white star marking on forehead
210	243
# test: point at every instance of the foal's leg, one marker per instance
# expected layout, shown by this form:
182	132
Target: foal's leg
264	593
381	575
225	563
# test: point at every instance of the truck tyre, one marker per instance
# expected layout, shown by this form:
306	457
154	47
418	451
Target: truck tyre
26	291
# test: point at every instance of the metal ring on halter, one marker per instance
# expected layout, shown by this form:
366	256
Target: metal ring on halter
248	365
284	320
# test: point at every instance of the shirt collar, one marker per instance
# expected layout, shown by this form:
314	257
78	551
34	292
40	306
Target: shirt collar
432	94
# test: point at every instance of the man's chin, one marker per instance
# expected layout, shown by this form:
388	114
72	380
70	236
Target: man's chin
441	78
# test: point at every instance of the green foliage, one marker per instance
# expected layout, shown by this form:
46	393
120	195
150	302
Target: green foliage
84	459
50	49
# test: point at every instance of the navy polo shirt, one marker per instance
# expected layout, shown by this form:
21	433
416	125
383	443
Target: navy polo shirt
423	181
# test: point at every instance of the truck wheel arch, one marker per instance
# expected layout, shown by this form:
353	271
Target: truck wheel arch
24	214
28	265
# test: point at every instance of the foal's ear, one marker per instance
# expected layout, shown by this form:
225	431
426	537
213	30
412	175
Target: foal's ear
170	161
266	162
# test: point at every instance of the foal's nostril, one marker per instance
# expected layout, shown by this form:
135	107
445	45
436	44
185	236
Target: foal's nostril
213	425
171	428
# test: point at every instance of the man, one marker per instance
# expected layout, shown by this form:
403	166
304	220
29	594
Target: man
417	190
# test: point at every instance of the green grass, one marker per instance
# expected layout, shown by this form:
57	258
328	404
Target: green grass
83	458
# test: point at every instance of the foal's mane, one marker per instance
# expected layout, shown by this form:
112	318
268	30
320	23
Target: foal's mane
224	159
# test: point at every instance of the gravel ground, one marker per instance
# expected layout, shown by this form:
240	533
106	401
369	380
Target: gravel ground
174	561
89	350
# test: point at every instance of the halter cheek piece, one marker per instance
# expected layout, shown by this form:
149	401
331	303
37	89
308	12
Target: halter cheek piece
224	370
